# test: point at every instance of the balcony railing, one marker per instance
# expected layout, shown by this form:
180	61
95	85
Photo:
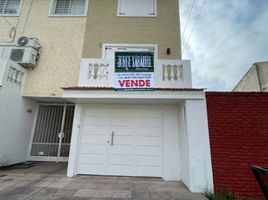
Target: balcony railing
167	73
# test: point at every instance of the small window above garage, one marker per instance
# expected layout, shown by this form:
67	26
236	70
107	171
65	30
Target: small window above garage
68	8
137	8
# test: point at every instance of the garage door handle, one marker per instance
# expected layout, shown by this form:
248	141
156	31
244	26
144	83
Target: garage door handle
112	139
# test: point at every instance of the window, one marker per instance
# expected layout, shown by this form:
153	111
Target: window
69	7
137	8
9	7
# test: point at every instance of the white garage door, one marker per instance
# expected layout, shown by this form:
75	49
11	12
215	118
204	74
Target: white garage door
121	141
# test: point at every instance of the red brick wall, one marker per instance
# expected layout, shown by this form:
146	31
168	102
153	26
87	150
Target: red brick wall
238	127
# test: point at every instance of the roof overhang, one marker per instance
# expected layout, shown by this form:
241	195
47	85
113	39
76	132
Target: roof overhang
110	95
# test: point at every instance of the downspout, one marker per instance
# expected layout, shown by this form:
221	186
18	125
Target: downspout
26	18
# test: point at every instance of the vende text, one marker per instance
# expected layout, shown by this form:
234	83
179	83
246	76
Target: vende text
135	83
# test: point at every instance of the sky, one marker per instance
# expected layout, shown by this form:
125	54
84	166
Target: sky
227	38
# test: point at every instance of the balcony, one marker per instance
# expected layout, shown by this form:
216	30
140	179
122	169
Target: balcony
167	73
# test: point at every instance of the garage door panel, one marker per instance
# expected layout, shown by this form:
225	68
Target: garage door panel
123	140
91	169
121	170
149	113
137	139
95	121
117	149
148	161
148	150
149	131
94	130
119	112
95	159
123	130
92	148
149	141
122	121
92	111
149	171
93	139
120	159
149	122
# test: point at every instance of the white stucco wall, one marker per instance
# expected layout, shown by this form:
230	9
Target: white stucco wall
183	150
16	118
200	177
171	144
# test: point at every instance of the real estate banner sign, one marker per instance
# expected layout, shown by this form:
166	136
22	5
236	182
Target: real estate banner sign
134	70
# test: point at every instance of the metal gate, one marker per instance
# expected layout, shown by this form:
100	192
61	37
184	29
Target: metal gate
52	134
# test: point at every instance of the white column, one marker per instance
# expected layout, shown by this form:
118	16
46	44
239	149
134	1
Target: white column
200	176
171	162
71	171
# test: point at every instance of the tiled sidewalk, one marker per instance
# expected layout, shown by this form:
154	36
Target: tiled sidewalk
42	186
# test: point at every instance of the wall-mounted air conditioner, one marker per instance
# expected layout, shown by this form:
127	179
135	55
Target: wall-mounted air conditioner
29	42
25	56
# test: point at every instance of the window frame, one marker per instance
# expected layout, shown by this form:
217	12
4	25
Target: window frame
53	3
119	5
13	15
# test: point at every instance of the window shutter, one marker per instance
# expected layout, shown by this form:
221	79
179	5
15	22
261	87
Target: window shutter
136	7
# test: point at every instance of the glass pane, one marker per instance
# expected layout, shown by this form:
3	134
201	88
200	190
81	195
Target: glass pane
78	7
12	7
2	5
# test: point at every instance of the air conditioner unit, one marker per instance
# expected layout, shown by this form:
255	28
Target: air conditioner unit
25	56
29	42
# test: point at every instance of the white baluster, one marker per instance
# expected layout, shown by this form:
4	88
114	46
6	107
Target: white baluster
180	72
169	72
165	72
101	73
91	71
175	72
96	71
172	72
105	72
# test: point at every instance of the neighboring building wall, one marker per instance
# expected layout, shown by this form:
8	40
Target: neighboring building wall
250	82
16	119
61	39
238	126
263	75
256	79
104	26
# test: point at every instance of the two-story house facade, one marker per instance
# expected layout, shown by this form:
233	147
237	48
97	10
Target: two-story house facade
109	93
